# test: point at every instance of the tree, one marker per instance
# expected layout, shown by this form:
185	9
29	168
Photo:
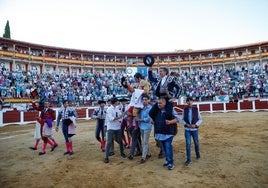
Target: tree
7	31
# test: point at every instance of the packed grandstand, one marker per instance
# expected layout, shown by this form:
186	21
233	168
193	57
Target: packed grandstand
33	71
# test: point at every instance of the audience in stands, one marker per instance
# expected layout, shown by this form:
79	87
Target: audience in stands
87	88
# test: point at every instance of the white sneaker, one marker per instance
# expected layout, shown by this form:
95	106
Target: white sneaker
171	167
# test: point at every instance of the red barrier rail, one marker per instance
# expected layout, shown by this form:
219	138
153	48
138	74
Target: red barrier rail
13	116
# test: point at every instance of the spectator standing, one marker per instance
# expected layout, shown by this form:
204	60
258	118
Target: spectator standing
191	119
166	86
165	124
145	126
114	116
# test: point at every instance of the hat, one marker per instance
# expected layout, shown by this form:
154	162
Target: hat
101	102
148	60
124	99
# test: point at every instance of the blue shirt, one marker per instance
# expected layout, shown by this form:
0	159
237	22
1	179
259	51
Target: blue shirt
145	124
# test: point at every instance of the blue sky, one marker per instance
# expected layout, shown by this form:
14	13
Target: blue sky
136	25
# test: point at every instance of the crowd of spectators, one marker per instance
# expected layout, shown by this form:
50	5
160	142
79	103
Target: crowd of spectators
236	82
87	88
79	88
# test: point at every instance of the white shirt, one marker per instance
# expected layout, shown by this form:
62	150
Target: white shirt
136	98
112	113
163	80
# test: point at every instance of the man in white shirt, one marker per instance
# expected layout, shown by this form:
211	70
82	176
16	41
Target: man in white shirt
113	117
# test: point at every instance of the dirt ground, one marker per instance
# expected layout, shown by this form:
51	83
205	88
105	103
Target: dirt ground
234	153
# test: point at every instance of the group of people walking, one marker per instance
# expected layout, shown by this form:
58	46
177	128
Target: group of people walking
129	122
43	130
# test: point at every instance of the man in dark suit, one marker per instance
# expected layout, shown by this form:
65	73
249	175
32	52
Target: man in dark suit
167	85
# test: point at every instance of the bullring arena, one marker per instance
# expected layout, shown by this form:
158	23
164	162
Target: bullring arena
233	135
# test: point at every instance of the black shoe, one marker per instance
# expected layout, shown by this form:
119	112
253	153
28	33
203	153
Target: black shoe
130	157
106	160
198	156
52	149
187	162
165	164
143	161
66	153
71	153
42	153
33	148
148	156
123	155
111	153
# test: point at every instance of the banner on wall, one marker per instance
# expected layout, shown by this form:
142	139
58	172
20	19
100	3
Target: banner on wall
222	98
131	71
143	71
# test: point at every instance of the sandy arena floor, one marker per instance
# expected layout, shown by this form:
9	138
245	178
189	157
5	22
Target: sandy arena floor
234	153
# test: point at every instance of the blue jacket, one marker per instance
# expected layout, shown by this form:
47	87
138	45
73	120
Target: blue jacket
69	113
